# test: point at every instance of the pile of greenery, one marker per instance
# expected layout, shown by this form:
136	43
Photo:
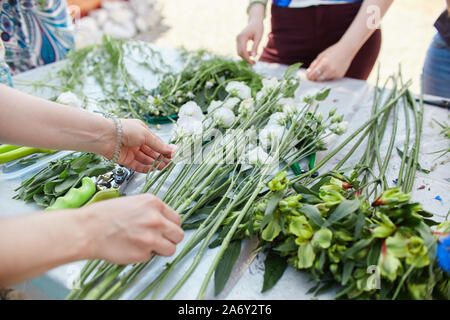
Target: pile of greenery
59	176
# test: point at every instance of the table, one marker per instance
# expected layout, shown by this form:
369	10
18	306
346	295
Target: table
353	99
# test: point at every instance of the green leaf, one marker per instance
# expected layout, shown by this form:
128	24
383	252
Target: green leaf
345	208
287	246
374	253
312	213
358	246
360	223
273	271
300	188
347	272
389	265
272	230
322	238
272	204
322	95
419	167
322	181
80	163
397	245
291	70
65	185
306	256
224	268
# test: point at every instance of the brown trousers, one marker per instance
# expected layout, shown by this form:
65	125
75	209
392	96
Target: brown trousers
300	34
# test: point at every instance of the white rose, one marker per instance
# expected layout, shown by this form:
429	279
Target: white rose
190	95
258	156
289	106
247	107
224	117
277	118
215	104
239	89
187	126
231	102
341	128
271	135
70	99
191	109
270	84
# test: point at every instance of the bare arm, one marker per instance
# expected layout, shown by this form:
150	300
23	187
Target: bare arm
253	31
123	231
31	121
334	61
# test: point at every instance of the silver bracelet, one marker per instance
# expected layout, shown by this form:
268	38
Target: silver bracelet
119	135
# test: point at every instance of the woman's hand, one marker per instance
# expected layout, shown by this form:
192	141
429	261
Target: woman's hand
253	31
141	147
130	229
331	64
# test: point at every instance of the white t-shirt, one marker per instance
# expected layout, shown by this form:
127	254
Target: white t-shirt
309	3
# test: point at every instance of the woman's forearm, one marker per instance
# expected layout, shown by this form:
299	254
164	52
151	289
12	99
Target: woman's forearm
27	251
256	12
31	121
365	23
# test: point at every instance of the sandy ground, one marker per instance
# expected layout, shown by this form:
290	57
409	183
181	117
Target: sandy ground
213	24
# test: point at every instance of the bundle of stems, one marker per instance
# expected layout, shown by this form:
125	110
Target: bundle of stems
228	187
228	191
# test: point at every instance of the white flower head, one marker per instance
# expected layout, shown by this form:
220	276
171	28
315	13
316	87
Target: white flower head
186	127
247	107
260	95
209	84
271	135
190	95
258	157
239	89
288	105
277	118
215	104
150	99
191	109
269	84
70	99
318	116
231	102
224	117
329	140
341	128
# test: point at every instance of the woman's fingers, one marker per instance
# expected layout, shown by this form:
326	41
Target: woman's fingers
152	154
165	248
173	232
156	143
319	72
311	72
242	40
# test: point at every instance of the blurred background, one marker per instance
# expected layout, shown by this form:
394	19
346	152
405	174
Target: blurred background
407	28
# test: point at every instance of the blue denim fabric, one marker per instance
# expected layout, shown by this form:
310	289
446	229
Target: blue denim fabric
436	69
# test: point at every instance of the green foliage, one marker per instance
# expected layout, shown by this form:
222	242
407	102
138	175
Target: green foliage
60	176
321	239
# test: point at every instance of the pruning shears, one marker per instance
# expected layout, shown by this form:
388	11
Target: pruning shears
93	189
297	169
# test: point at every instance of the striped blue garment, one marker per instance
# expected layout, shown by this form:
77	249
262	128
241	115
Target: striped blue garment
34	32
309	3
